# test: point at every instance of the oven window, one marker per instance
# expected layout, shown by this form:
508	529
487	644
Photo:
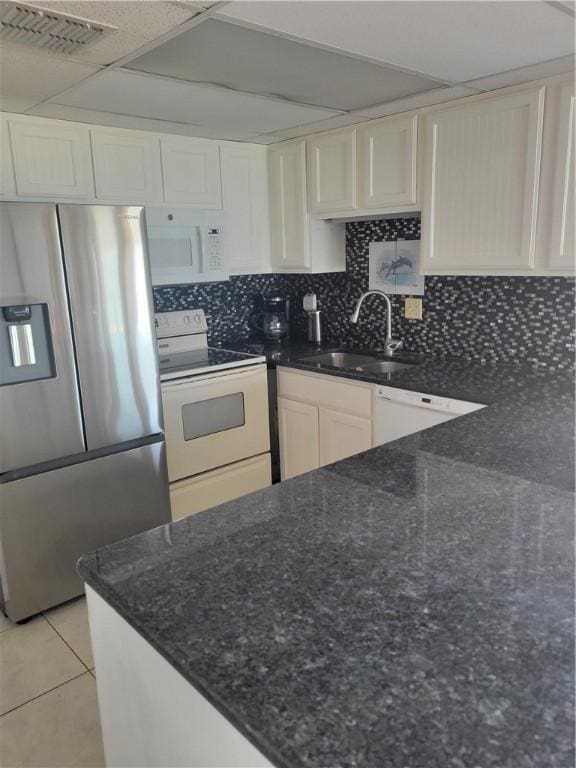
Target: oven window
218	414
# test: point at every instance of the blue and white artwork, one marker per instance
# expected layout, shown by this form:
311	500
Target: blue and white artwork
394	267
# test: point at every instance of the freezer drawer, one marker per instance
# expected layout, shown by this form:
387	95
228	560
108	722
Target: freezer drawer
211	488
48	521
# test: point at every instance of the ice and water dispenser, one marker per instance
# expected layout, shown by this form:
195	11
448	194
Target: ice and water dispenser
25	344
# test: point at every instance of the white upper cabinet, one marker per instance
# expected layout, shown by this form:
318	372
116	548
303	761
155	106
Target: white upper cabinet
288	216
51	160
191	170
127	166
387	162
482	166
562	252
299	243
245	199
7	180
331	171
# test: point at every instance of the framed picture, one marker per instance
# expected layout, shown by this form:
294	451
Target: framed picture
394	267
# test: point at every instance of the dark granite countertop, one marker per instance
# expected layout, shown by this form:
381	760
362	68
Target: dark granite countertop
409	607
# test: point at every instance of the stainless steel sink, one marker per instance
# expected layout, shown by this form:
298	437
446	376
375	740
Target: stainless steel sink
340	359
383	366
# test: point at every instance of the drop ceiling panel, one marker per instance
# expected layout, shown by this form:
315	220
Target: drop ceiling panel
29	75
454	41
257	62
138	23
525	74
159	98
79	115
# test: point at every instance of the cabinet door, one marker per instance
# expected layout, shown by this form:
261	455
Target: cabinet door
481	185
342	435
299	437
562	253
332	172
127	167
288	215
191	170
387	163
7	180
245	199
51	160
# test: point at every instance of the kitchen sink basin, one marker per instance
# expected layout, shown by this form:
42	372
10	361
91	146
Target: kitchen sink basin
340	359
383	366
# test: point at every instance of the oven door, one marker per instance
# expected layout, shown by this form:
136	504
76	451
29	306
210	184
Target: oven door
214	420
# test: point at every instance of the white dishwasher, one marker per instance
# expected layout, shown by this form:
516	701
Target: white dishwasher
399	412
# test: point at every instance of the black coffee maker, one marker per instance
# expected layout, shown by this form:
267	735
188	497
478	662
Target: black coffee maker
270	318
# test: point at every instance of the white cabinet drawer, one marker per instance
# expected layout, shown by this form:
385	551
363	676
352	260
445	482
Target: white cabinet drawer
326	391
224	484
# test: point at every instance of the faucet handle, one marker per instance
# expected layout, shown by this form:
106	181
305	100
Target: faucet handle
393	345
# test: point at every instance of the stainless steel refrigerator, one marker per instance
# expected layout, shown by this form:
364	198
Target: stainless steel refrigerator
82	454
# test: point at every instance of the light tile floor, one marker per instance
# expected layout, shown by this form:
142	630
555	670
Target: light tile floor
49	712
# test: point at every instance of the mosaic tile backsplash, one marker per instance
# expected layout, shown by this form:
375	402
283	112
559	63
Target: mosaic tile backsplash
508	319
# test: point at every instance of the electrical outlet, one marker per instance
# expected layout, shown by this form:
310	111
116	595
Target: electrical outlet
413	309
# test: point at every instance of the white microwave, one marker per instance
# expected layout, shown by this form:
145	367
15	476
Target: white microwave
186	246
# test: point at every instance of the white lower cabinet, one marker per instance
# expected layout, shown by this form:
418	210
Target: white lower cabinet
194	494
342	435
299	437
321	419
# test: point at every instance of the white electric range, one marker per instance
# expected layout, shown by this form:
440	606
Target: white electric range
215	405
183	350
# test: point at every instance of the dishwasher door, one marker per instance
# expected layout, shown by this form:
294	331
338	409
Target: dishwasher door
398	412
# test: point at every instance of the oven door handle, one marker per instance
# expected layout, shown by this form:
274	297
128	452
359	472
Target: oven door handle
230	375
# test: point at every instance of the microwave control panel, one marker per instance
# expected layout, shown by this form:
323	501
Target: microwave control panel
214	249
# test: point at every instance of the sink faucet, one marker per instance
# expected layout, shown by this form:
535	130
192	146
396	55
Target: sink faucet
390	345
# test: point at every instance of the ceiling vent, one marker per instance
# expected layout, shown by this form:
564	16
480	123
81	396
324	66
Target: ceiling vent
42	28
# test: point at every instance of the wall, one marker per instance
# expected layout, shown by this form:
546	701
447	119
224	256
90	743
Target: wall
510	319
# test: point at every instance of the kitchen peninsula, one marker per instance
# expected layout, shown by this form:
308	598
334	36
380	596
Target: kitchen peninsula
409	606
